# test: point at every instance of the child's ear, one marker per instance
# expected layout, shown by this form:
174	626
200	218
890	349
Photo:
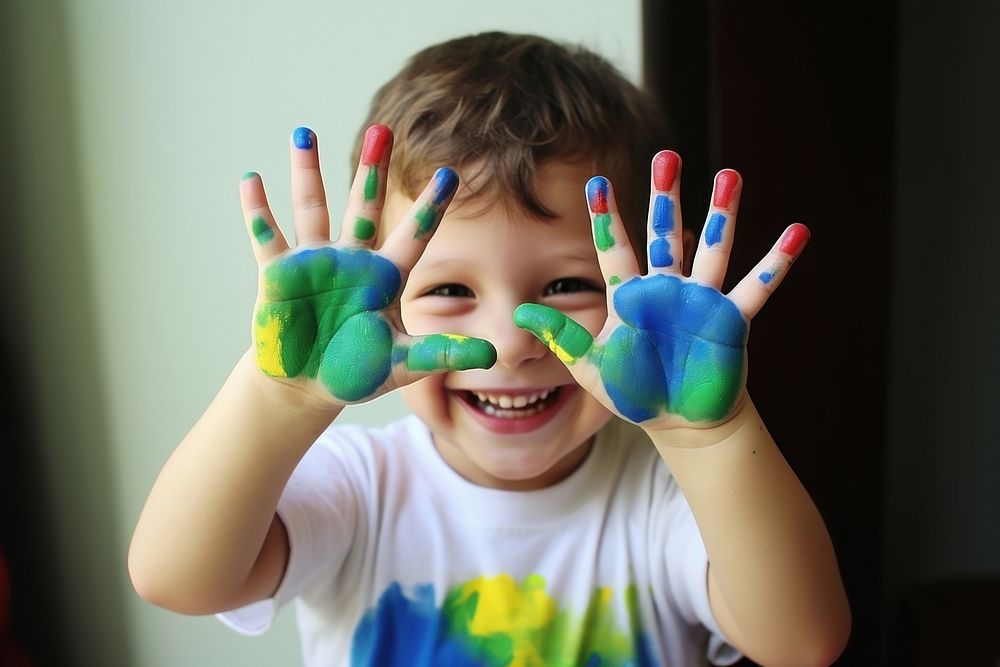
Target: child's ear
690	244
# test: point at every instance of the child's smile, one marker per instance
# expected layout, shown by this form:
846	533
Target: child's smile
524	423
515	410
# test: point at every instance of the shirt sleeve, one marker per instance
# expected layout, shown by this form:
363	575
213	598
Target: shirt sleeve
320	509
685	570
688	575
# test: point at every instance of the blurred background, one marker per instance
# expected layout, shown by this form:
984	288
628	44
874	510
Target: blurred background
129	281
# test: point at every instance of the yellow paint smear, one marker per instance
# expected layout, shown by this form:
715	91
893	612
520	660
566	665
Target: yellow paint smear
269	348
563	355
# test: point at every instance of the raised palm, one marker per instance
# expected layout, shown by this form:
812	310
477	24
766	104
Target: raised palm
674	348
327	313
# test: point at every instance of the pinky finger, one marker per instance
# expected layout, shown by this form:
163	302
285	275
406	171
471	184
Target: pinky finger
756	288
265	236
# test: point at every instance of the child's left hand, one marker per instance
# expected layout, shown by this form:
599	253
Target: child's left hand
673	350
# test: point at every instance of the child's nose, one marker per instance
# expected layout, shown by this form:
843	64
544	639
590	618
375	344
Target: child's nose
515	346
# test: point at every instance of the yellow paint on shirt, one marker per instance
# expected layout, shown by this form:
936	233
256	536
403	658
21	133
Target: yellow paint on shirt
504	607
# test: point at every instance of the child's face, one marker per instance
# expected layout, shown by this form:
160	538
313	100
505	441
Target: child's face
535	425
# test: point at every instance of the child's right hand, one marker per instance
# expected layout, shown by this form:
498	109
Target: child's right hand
327	313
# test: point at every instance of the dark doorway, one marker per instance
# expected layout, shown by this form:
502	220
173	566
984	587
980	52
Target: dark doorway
798	98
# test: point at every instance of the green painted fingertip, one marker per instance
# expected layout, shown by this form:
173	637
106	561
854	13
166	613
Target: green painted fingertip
248	175
567	339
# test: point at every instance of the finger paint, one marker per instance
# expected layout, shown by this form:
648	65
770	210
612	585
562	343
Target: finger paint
726	182
364	229
597	200
597	194
303	138
449	351
767	276
426	216
680	349
248	175
371	184
794	239
602	232
659	254
614	280
665	167
567	339
663	224
377	138
319	319
714	229
261	230
444	185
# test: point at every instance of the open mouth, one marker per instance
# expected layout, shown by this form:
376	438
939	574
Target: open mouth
511	406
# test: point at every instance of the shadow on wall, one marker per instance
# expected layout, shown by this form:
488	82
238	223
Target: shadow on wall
57	521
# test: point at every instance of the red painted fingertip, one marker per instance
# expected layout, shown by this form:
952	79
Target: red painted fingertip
597	194
666	164
727	182
794	239
377	137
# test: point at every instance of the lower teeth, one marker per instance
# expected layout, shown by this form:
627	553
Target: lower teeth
494	411
515	413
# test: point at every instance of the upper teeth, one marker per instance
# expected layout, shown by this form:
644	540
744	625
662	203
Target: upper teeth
507	401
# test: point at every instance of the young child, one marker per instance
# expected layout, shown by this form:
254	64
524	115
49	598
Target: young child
585	480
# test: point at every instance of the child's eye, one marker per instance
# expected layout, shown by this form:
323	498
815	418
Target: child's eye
451	289
569	286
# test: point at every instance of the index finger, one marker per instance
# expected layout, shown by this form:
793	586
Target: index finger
407	241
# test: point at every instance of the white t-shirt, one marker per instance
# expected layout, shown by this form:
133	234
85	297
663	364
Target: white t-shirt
398	560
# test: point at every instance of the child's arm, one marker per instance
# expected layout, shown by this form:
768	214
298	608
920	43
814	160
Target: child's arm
672	358
326	333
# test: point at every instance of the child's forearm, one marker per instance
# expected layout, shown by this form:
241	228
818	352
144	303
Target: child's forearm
208	538
773	577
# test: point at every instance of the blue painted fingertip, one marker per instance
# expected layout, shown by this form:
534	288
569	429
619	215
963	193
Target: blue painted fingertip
303	138
445	184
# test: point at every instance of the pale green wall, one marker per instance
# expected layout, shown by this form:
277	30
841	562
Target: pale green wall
131	124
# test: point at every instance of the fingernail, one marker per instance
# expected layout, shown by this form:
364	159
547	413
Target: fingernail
725	187
665	166
597	194
445	184
794	239
303	138
377	137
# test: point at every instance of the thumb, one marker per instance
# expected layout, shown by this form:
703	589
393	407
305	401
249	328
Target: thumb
561	334
421	356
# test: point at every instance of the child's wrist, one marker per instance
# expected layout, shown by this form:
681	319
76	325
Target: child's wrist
676	436
285	397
